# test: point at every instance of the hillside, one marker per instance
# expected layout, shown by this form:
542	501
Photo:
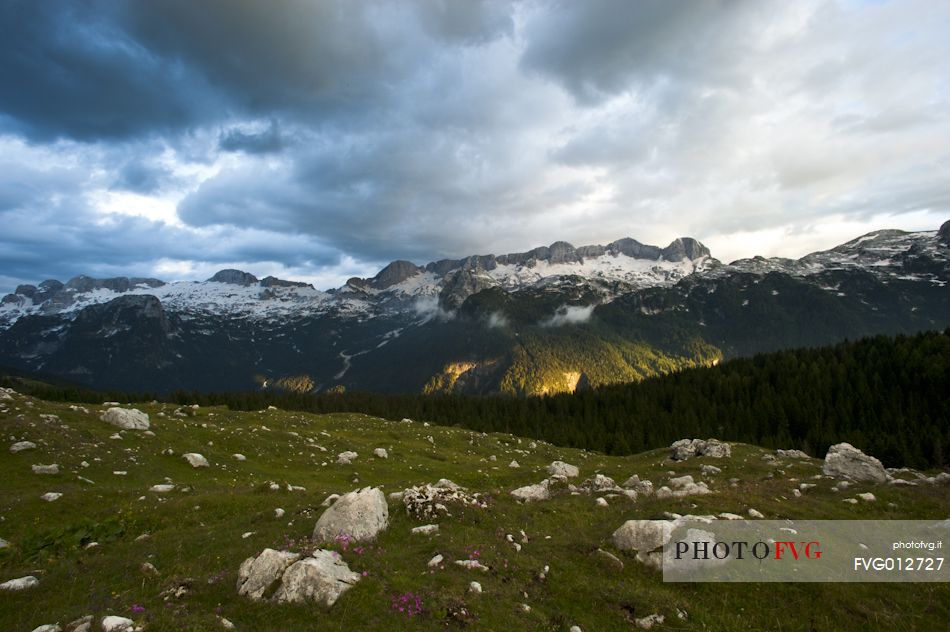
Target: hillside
195	535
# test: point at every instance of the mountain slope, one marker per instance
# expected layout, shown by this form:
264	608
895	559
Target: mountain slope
542	321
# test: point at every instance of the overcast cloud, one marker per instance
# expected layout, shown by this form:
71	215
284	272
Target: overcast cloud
320	140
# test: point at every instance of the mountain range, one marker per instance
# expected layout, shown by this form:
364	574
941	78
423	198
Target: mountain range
552	319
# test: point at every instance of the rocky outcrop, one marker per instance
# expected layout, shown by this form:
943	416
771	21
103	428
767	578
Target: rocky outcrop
430	501
688	448
359	515
844	460
126	418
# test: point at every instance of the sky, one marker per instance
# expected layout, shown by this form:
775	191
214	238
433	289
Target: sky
316	140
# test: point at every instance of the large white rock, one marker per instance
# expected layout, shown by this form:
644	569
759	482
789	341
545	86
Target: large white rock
642	536
195	460
46	469
345	458
20	583
846	460
20	446
258	575
532	493
360	515
560	468
322	578
126	418
49	627
380	453
113	623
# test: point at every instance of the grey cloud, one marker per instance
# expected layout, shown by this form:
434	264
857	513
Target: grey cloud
600	48
267	141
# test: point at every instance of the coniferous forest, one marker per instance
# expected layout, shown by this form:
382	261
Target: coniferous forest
885	395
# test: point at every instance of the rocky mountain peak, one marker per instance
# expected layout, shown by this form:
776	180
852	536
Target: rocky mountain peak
234	277
396	272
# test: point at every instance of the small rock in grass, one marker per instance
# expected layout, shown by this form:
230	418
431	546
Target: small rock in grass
475	587
435	561
51	496
195	460
20	446
426	529
46	469
20	583
755	513
381	453
116	624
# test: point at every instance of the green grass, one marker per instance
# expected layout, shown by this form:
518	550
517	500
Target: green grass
195	536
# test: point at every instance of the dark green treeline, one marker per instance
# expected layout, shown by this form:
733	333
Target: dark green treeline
886	395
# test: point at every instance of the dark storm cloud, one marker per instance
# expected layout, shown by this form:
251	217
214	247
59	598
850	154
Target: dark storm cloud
69	70
267	141
328	135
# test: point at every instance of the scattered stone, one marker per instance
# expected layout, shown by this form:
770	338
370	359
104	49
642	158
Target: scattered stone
600	483
381	453
475	587
755	513
320	578
730	516
278	513
435	561
688	448
851	501
647	623
541	491
472	565
46	469
195	460
49	627
126	418
4	544
83	624
345	458
360	515
867	497
148	568
601	502
710	470
792	454
163	488
20	583
117	624
610	559
51	496
227	625
259	575
560	468
238	457
843	459
20	446
514	465
426	529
